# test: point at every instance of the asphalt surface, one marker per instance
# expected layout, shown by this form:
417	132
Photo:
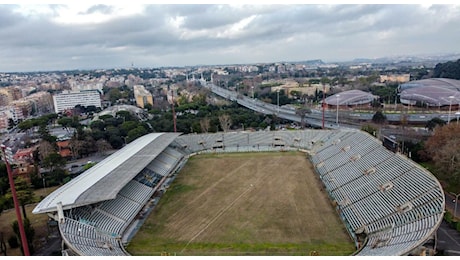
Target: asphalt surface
448	240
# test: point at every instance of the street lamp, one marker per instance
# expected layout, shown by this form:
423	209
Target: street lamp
252	87
457	114
337	114
22	232
278	99
456	201
450	108
44	183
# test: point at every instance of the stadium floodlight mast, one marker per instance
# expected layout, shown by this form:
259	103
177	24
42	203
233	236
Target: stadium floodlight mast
25	245
278	100
457	114
337	114
450	108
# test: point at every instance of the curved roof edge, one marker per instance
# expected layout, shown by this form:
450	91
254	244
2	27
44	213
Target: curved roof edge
350	97
104	180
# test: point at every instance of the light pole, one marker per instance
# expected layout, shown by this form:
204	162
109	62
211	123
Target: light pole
457	114
252	88
337	113
22	232
456	201
278	100
44	182
450	108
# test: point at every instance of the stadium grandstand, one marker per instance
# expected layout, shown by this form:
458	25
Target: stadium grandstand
435	92
389	204
350	98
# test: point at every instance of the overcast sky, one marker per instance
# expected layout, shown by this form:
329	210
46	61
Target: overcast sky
86	36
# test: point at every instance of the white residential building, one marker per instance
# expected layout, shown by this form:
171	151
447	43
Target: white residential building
69	99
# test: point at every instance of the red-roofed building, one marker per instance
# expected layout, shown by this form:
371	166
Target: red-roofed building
64	148
24	161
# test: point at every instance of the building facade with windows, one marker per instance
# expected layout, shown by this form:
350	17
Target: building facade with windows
69	99
142	96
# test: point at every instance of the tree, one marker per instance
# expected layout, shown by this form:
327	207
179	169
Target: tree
125	115
205	124
54	161
45	149
114	95
443	147
24	193
450	69
128	126
301	112
379	117
103	146
135	133
30	234
97	124
116	141
76	146
4	183
431	125
225	122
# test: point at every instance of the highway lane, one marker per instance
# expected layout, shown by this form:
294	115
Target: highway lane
315	118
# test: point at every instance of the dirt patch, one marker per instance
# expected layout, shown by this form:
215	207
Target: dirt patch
226	203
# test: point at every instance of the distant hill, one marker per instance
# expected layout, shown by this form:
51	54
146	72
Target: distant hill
430	58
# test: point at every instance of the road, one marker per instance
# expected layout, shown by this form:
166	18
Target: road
315	118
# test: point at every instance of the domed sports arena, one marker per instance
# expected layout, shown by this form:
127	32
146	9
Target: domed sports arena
436	92
350	98
388	204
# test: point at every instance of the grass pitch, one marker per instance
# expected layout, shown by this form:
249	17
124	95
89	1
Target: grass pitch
244	204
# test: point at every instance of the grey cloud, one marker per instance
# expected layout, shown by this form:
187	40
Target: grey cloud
103	9
278	32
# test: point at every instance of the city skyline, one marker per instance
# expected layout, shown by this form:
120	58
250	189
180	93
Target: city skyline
100	36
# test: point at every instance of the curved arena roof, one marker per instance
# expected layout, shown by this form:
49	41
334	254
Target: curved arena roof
104	180
439	82
350	97
431	92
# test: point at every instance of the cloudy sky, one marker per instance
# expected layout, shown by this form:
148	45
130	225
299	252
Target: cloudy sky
82	35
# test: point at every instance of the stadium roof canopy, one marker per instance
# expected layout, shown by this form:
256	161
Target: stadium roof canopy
350	97
431	92
452	84
105	179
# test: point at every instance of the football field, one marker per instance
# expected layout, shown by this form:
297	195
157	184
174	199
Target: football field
244	204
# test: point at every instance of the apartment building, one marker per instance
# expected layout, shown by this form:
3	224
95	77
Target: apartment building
70	99
142	96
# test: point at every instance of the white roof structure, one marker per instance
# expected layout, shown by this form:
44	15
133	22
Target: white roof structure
431	92
104	180
350	97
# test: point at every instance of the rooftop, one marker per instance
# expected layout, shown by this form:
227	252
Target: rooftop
104	180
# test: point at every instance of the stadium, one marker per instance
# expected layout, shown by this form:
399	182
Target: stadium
350	98
435	92
388	204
